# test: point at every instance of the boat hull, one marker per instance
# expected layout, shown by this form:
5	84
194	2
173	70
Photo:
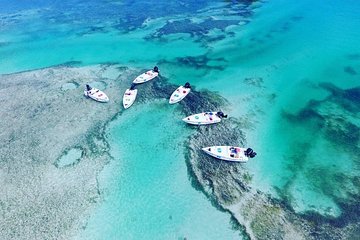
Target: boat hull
227	153
129	98
145	77
96	95
204	118
179	94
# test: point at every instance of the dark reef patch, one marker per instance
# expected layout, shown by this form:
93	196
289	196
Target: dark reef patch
4	44
232	14
350	215
99	16
68	64
222	182
198	62
312	118
254	81
134	14
130	15
353	56
92	30
271	37
204	136
343	133
350	70
333	119
210	39
297	18
194	29
349	99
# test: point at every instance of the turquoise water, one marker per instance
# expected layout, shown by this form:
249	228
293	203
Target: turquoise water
273	61
148	193
300	160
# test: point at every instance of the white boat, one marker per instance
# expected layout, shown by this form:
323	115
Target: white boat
180	93
95	94
230	153
147	76
129	97
205	118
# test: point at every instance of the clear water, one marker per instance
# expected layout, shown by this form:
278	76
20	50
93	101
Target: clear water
70	158
269	69
148	193
307	47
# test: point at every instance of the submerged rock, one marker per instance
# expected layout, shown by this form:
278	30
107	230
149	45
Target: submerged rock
42	201
228	184
42	197
350	70
69	158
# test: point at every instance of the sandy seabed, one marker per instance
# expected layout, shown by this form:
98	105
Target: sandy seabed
44	117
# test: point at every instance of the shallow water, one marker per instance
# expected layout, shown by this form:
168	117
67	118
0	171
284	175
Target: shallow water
270	65
70	158
299	159
148	193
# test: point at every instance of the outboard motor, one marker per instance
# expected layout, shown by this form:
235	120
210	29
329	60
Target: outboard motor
250	153
88	88
132	87
156	69
187	85
221	115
